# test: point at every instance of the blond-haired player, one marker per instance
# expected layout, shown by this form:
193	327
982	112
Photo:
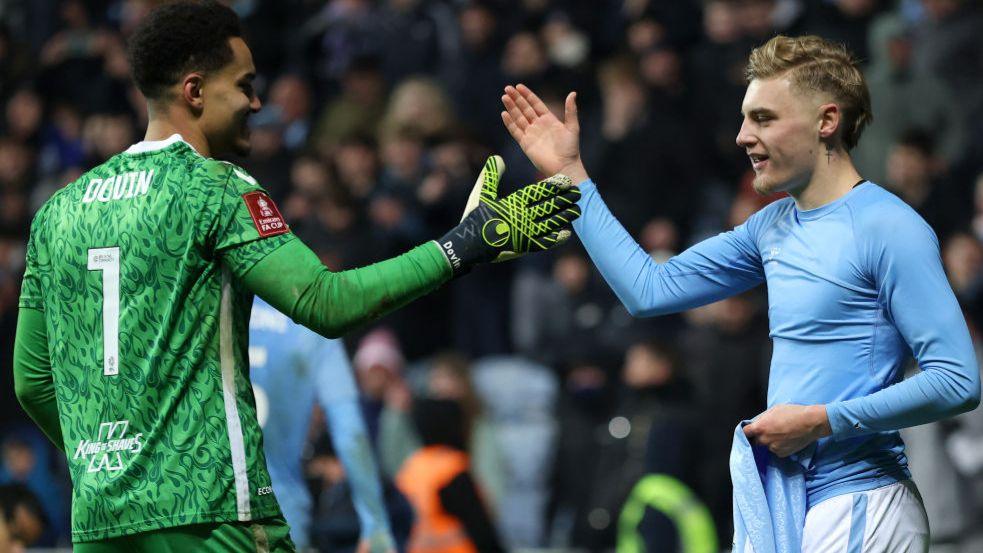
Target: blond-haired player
855	287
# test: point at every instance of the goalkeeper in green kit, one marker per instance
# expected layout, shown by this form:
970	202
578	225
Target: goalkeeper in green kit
131	346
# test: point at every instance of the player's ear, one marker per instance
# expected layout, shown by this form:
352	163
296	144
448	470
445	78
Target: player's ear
191	91
829	120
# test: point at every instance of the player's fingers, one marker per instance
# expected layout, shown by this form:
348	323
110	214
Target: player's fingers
751	431
538	106
512	127
514	111
526	107
570	119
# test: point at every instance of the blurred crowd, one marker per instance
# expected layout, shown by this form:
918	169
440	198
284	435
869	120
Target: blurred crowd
377	116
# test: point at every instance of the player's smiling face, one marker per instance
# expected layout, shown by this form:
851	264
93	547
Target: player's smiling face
229	100
779	133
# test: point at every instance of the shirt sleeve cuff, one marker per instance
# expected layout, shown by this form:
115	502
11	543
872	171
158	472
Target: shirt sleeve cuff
842	424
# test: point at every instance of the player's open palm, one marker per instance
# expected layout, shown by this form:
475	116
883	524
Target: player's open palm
552	145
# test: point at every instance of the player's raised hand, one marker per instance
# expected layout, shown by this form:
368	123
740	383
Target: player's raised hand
552	145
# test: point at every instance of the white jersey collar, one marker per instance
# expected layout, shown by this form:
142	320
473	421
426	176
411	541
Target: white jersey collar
154	145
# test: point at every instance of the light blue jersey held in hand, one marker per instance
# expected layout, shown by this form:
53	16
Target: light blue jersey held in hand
855	287
290	366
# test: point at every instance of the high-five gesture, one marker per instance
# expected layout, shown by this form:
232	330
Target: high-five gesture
552	145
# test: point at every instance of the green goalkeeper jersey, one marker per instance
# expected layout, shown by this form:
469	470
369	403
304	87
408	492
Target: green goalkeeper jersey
134	266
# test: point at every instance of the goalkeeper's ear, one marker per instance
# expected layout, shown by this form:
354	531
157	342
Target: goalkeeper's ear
486	184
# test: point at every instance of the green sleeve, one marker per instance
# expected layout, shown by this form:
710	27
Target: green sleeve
293	280
33	382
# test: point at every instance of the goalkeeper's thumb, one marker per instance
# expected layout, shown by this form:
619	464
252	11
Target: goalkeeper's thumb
486	185
465	244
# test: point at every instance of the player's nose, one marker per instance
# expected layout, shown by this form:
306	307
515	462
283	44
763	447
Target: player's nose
744	137
255	104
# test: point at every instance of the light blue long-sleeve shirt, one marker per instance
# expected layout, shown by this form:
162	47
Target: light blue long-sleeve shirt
290	366
855	287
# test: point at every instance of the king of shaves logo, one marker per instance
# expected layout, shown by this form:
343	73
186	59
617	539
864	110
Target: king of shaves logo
107	451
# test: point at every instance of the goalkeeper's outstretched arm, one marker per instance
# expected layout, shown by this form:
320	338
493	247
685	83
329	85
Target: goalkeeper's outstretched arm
293	280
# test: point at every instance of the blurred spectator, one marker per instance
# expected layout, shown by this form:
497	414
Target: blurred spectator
716	68
474	74
355	111
843	21
758	19
977	223
902	99
16	165
646	159
416	36
520	401
654	398
582	416
269	160
357	163
567	315
23	520
727	355
450	513
524	60
915	173
453	168
15	60
448	377
419	105
62	141
402	151
338	35
948	44
23	117
378	364
290	101
962	257
27	463
105	135
335	525
83	62
946	500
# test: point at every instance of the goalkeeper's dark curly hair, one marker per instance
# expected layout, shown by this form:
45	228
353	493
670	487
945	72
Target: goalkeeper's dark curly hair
180	37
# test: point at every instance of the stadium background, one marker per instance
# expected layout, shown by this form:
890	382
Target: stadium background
376	117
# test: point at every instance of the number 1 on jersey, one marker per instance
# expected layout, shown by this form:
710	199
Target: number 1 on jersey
107	261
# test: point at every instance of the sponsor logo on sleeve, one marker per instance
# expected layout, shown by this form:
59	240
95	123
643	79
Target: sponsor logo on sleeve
265	215
111	450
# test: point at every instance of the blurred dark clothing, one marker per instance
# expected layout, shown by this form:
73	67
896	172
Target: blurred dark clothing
729	367
415	37
336	528
654	169
670	413
583	414
952	50
831	21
